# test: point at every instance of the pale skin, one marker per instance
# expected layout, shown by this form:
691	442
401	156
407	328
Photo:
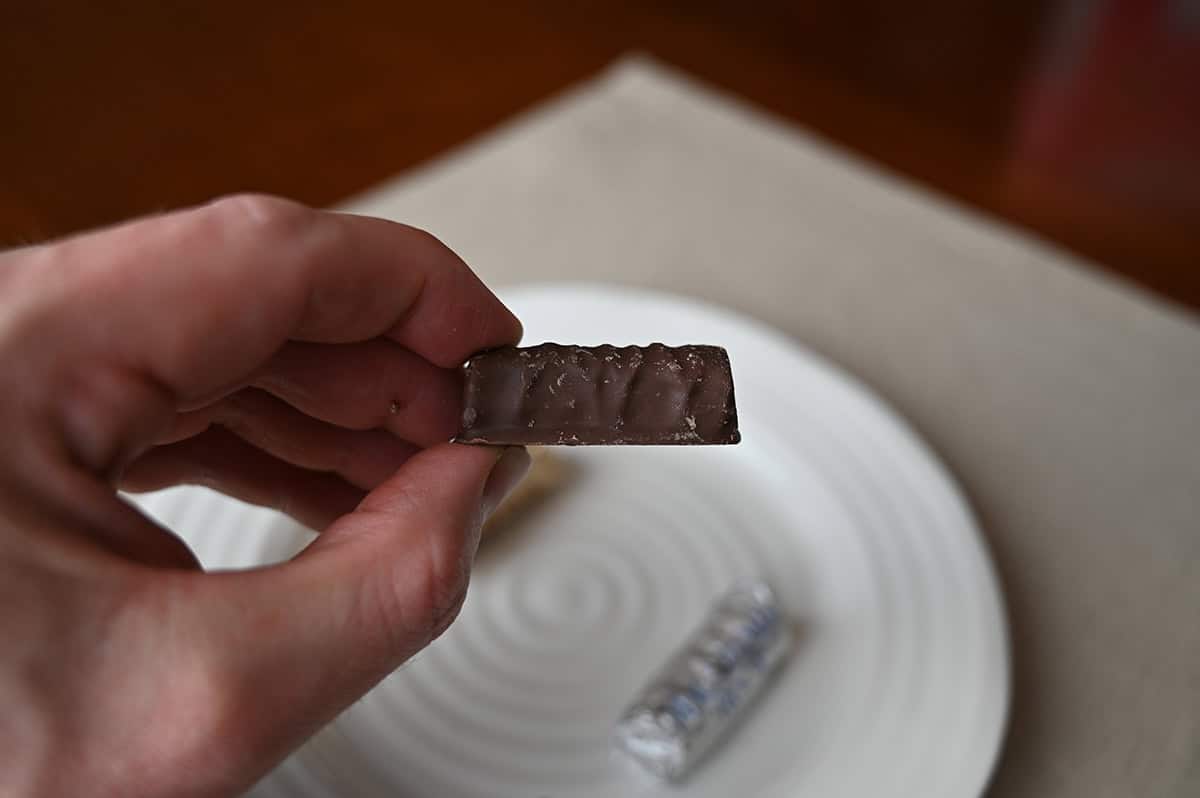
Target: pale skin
292	358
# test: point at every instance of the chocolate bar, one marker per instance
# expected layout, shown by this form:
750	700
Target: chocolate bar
556	394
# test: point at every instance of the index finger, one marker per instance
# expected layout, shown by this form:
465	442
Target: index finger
201	298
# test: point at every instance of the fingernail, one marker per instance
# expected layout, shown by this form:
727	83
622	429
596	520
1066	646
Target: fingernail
508	472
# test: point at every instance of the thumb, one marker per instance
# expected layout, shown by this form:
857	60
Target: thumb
404	555
301	641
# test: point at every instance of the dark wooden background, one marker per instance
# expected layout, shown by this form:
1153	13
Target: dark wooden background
120	108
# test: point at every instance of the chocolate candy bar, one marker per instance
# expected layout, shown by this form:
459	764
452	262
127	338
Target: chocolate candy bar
708	684
554	394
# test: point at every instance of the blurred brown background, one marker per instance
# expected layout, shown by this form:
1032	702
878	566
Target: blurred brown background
1076	119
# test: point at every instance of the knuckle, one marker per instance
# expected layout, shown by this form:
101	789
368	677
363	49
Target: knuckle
432	249
442	620
449	574
204	689
200	713
261	212
446	599
423	237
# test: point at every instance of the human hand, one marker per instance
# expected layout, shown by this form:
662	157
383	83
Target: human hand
289	357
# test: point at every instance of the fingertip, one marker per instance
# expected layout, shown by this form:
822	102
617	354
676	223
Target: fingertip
516	328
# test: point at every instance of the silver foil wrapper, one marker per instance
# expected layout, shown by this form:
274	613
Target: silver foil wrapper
708	684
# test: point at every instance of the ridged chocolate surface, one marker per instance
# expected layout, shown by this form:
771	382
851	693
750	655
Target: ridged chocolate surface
556	394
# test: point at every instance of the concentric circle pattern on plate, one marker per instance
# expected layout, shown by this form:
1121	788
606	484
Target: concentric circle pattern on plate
899	684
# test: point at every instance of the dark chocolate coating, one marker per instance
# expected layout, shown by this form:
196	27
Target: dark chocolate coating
556	394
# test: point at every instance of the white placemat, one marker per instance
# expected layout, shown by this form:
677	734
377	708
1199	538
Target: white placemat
1067	403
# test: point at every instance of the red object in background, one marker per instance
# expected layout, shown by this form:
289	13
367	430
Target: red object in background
1115	104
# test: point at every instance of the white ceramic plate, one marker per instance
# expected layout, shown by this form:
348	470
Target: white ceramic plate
900	682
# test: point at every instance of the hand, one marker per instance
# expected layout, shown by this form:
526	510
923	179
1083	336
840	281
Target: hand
293	358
